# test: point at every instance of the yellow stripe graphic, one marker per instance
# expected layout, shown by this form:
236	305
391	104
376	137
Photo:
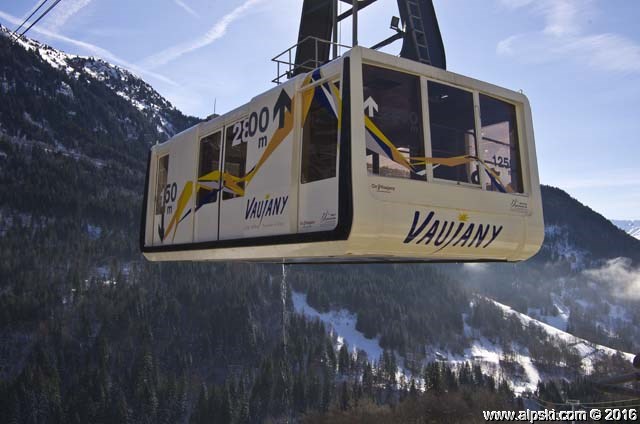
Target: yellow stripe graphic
395	153
183	200
450	162
233	182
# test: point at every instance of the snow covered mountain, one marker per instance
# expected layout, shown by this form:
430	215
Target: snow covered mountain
82	69
524	368
631	227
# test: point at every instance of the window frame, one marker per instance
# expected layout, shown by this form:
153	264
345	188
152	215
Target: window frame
223	152
331	79
427	119
426	126
426	145
220	158
520	134
161	190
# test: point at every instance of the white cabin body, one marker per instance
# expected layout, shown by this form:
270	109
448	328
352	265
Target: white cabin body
369	158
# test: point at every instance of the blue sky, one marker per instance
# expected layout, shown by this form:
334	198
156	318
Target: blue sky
578	61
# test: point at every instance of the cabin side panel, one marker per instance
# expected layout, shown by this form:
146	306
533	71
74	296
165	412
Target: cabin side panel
257	167
173	190
321	118
207	188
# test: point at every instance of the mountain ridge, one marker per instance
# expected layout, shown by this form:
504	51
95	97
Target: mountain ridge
587	229
80	105
122	81
632	227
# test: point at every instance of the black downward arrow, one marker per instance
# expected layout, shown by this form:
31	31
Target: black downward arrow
282	105
161	227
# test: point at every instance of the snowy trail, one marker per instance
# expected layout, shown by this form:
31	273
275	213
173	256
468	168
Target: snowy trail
342	323
585	347
482	351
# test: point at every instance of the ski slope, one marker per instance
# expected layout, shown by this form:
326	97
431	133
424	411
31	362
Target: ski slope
481	351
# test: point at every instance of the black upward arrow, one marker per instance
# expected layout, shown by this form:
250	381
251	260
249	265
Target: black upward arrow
282	105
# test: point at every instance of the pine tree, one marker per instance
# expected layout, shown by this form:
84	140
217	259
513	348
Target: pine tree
433	378
367	380
413	389
478	377
343	359
345	398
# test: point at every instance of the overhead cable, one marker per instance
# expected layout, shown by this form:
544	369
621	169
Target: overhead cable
40	17
30	16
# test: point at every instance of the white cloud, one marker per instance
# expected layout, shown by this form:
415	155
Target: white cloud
609	52
216	32
91	49
515	4
187	8
623	279
63	12
563	36
562	16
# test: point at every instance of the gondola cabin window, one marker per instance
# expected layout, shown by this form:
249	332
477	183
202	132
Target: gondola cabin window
208	169
499	144
235	159
161	183
393	123
454	116
453	134
320	133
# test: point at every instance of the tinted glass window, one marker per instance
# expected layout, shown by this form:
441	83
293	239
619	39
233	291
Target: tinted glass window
320	136
452	131
208	186
393	120
163	172
499	144
235	159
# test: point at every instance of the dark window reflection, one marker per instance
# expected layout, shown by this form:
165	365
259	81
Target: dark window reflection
319	139
392	103
163	172
452	131
499	143
235	158
209	162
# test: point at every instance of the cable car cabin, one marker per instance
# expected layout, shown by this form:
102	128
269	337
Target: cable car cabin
369	158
